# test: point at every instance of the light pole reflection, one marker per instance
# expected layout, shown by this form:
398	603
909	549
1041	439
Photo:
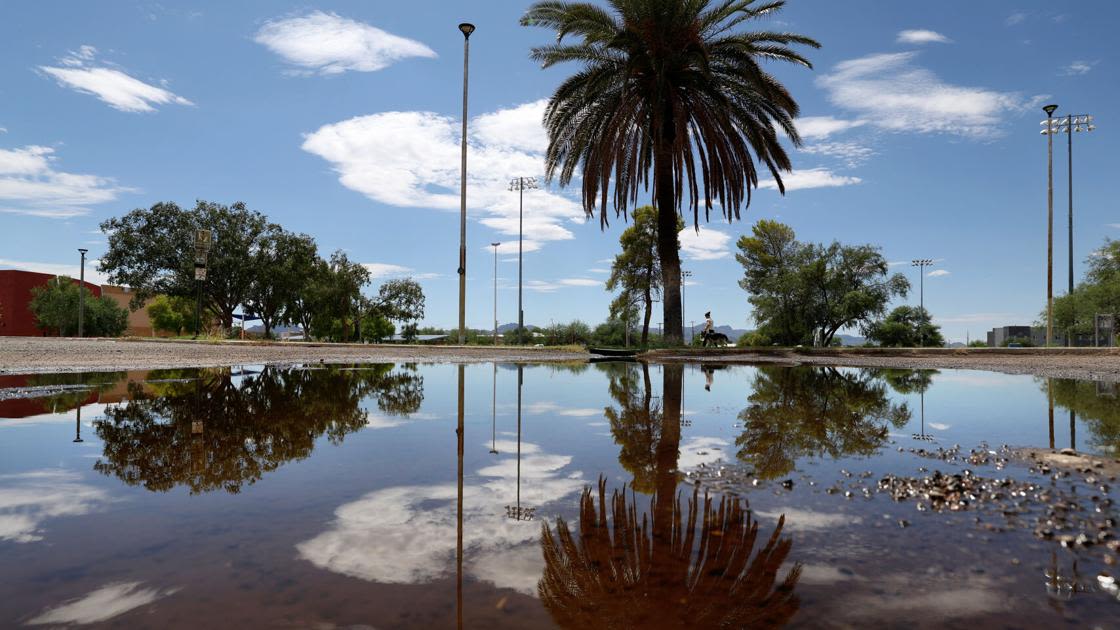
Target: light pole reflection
516	511
459	510
78	425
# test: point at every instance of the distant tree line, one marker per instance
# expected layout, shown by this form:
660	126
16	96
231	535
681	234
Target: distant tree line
1098	293
253	264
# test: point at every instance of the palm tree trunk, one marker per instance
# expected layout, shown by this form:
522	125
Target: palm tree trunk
668	247
668	450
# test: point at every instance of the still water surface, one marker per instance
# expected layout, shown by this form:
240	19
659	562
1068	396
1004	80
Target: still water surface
531	496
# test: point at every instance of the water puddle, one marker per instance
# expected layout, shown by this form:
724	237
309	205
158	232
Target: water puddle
605	495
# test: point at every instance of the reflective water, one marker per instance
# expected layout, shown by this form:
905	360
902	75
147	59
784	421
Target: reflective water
531	496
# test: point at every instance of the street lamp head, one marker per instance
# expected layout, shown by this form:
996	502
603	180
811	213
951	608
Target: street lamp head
83	250
467	28
523	183
1049	109
495	244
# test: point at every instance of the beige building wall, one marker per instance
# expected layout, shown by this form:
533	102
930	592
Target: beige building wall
139	324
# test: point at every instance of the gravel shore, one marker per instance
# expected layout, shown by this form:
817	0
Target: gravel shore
23	355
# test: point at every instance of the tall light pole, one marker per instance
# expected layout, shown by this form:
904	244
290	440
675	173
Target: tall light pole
82	295
1049	133
685	275
921	264
466	29
495	246
521	184
1068	125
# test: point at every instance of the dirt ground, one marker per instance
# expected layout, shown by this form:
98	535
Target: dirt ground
21	355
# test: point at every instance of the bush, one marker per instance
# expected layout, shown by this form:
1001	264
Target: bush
171	314
55	307
1022	341
976	343
754	338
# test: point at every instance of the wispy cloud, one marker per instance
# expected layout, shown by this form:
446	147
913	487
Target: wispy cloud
58	269
1079	67
78	71
102	604
30	185
542	286
386	271
895	94
810	178
705	244
816	127
411	160
326	43
1015	18
938	273
921	36
852	154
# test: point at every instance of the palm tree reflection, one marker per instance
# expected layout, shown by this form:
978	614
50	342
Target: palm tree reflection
675	566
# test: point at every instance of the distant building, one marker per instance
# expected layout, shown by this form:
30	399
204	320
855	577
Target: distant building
139	324
998	337
16	319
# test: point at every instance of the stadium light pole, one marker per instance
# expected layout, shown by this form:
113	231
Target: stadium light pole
685	275
1049	133
466	29
495	246
921	264
1069	124
521	184
82	294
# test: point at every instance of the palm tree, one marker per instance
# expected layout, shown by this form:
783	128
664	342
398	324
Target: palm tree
667	86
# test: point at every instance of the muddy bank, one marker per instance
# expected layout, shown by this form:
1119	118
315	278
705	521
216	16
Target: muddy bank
38	354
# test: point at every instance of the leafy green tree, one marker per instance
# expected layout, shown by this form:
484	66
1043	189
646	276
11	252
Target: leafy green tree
574	332
55	308
636	270
171	314
402	301
804	291
976	343
906	327
152	251
669	92
377	328
812	412
284	264
309	306
1097	294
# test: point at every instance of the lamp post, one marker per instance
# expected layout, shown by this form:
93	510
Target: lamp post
466	29
1049	133
685	275
495	246
517	512
1068	125
494	413
921	264
78	425
82	294
521	184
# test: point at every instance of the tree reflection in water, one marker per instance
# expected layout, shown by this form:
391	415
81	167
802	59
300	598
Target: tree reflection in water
212	432
664	569
797	412
1096	403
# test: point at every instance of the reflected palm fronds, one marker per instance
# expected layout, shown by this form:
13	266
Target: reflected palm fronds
653	571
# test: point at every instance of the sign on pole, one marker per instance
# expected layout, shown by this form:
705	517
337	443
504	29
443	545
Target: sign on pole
200	273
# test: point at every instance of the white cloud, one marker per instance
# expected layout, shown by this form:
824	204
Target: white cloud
406	535
30	185
411	160
810	178
1015	18
895	94
705	244
28	499
921	36
598	270
330	44
115	87
851	153
58	269
385	270
823	126
581	282
799	520
1079	67
101	605
937	273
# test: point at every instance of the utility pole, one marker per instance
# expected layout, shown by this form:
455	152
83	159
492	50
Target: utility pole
520	184
1049	132
82	296
495	246
466	28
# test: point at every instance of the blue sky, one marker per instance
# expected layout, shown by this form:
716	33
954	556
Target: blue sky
340	119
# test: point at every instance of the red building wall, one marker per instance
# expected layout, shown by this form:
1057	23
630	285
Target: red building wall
15	295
